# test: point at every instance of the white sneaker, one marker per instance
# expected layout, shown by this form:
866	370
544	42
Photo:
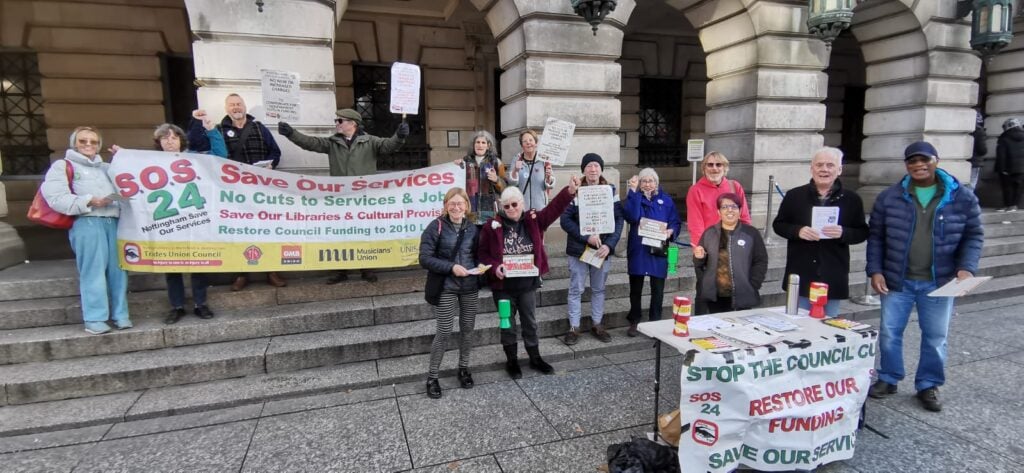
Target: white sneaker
1012	209
1002	209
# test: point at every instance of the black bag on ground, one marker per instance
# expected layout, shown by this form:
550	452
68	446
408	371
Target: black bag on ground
642	456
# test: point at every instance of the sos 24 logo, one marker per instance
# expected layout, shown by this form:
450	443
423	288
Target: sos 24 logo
156	179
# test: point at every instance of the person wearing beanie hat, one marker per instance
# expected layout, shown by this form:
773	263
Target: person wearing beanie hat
604	247
980	148
1010	163
924	231
350	152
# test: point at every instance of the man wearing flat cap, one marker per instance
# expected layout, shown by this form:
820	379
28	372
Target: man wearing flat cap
350	152
925	230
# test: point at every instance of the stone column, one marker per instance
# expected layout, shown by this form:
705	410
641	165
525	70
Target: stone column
233	42
12	247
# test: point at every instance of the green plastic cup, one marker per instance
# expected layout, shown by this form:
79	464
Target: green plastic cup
673	258
504	312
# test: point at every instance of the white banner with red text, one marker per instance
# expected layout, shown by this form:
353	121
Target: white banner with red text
787	409
185	212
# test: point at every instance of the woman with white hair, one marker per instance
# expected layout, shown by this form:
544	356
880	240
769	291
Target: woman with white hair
512	243
78	185
646	199
485	177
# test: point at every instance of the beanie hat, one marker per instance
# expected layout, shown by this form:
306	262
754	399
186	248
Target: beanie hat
591	158
1011	123
920	148
349	114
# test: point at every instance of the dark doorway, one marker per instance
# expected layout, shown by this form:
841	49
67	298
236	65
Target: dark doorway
179	75
372	84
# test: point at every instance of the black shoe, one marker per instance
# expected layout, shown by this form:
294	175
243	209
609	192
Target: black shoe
632	332
881	389
339	276
465	379
930	399
433	388
512	363
203	312
174	315
369	276
538	363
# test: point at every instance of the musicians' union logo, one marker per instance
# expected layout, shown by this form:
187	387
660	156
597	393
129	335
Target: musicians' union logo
252	255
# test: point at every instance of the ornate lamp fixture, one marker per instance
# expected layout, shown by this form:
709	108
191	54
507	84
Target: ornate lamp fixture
991	24
593	11
827	18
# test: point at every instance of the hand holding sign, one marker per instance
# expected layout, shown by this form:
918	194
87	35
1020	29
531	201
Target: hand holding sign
554	143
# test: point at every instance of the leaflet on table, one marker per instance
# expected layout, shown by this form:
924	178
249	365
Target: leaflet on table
771	321
748	334
957	287
846	324
480	269
822	217
519	266
706	323
590	257
712	344
653	229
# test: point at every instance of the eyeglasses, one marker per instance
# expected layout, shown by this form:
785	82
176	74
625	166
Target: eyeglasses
510	205
729	207
88	142
715	165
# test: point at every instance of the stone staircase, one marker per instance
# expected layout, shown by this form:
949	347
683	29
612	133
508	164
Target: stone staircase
269	343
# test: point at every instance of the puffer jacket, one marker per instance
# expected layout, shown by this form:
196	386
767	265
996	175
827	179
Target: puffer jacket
640	262
358	160
748	259
575	242
436	246
1010	152
90	180
702	205
957	235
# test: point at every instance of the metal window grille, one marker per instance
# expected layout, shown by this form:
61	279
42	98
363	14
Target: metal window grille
660	123
22	127
372	84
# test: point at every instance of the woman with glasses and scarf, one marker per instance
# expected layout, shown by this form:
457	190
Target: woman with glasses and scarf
88	195
534	177
485	177
512	243
730	262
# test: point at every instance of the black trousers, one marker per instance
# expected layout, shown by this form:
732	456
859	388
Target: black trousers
1013	186
723	304
636	289
524	304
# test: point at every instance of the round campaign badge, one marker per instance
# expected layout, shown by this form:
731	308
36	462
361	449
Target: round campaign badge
661	201
742	242
230	133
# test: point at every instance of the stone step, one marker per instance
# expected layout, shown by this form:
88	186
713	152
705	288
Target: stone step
310	388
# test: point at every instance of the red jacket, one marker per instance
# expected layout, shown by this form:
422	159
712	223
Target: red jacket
492	240
702	206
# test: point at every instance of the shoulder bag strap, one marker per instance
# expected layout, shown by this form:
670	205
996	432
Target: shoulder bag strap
69	171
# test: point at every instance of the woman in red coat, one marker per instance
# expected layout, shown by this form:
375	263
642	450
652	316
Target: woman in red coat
516	237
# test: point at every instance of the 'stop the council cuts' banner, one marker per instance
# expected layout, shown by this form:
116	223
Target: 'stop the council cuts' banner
183	212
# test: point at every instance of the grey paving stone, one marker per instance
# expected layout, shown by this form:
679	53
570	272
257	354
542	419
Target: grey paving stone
349	396
671	374
187	398
1016	357
582	454
53	439
72	413
185	421
50	460
1003	325
358	437
918	446
485	464
591	401
486	419
205	449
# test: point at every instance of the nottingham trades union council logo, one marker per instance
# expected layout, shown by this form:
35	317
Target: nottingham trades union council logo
252	255
132	253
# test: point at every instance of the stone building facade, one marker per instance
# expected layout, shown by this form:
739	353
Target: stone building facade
742	74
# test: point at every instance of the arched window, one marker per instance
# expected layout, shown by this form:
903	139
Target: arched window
22	126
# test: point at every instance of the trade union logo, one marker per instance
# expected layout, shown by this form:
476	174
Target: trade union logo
291	254
705	432
132	253
252	255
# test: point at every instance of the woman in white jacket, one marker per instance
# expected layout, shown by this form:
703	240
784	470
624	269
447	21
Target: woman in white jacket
102	283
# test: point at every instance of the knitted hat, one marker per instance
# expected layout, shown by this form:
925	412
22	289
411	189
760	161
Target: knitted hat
591	158
349	114
1011	123
920	148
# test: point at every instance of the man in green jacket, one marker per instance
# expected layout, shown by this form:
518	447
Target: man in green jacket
350	152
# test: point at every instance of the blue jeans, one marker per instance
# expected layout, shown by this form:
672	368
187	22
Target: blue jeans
933	314
102	283
578	272
831	307
176	289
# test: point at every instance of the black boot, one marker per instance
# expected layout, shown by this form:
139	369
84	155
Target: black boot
512	363
537	362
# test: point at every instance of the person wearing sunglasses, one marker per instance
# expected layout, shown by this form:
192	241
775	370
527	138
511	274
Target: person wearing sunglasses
512	243
350	152
730	262
102	284
701	211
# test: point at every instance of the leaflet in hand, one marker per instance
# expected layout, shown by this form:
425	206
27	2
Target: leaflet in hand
957	287
590	257
822	217
479	269
653	229
264	164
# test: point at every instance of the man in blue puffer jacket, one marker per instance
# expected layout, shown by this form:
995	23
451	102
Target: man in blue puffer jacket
924	231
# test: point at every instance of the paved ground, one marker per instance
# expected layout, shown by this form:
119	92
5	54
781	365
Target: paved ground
547	423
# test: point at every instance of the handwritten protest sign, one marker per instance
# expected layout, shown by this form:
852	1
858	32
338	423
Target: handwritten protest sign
200	213
405	88
280	96
554	143
597	211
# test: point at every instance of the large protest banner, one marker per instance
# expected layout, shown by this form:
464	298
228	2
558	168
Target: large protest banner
783	410
199	213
